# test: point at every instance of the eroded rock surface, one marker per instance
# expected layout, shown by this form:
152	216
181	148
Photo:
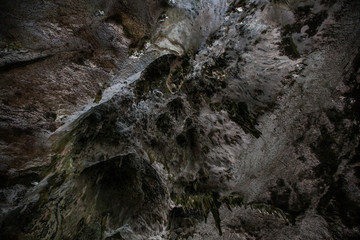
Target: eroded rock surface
179	119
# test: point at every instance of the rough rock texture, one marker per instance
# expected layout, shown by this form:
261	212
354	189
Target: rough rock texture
179	119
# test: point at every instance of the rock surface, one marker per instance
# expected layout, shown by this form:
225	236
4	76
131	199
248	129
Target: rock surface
179	119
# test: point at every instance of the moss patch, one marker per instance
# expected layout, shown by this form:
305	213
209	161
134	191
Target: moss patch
203	204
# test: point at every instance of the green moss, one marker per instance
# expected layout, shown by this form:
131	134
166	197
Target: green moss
233	201
265	208
152	156
68	166
203	204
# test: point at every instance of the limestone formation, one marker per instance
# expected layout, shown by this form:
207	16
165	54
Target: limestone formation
179	119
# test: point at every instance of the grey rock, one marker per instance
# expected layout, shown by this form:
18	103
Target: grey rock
179	120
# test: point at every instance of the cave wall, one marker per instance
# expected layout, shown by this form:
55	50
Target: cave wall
179	119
